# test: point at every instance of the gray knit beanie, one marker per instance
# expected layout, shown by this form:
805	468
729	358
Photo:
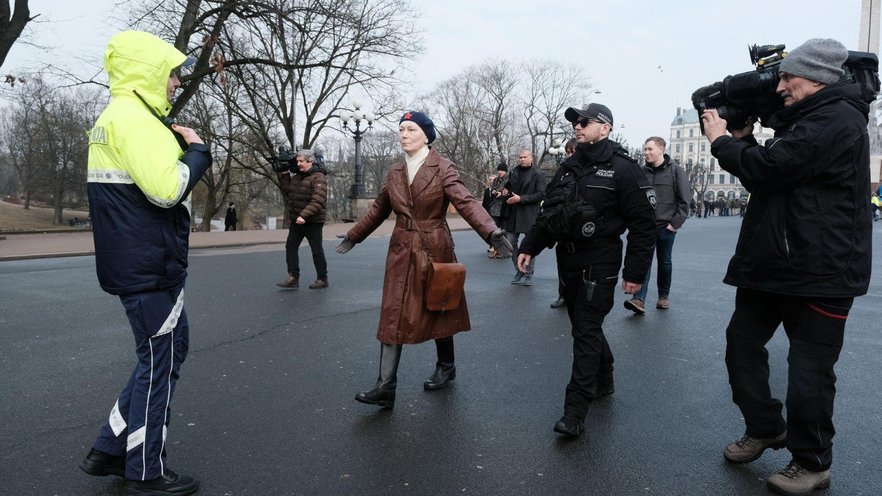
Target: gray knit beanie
818	59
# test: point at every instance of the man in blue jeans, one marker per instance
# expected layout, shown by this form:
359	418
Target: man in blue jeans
672	192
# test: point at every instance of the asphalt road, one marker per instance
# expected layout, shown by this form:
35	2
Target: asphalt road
265	401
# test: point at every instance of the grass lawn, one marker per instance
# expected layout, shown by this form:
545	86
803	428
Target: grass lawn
14	218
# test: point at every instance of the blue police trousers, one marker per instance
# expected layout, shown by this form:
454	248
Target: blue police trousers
137	424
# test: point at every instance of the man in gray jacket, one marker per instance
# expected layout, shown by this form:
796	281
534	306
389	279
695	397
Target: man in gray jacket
672	191
524	192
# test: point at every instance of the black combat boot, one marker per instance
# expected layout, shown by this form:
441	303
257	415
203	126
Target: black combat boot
384	392
445	370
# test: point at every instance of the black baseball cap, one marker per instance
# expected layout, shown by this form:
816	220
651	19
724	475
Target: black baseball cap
594	111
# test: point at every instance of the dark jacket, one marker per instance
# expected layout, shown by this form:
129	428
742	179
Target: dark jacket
230	219
307	194
622	198
529	183
422	205
808	229
672	192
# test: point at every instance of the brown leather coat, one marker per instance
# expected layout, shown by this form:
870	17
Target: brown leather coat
422	205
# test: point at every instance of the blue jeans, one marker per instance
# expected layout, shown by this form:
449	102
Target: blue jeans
664	246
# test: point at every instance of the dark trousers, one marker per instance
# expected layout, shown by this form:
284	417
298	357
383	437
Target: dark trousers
137	423
312	231
592	357
815	329
664	247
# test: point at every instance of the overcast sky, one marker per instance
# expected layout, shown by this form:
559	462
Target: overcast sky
646	57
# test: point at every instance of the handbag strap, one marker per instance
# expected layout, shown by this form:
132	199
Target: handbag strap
425	243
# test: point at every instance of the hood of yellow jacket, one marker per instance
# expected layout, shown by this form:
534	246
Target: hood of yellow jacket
142	62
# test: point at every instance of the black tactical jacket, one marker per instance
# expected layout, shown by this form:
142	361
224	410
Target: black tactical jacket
622	198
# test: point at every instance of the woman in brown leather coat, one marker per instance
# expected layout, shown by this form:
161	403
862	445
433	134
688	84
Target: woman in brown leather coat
418	190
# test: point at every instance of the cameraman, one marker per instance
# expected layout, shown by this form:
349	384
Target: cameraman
611	194
802	256
307	190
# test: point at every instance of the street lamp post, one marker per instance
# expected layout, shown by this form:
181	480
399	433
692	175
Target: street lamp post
357	116
557	150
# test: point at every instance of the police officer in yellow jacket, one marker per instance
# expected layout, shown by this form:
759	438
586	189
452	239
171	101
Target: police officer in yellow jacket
140	174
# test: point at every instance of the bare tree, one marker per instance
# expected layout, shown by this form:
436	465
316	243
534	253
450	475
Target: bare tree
300	59
550	87
12	26
464	137
46	136
499	80
379	150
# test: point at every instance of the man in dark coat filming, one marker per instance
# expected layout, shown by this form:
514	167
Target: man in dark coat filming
595	195
802	257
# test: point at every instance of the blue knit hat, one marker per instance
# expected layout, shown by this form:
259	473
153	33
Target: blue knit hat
422	120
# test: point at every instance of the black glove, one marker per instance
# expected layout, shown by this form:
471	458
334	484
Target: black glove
500	243
345	245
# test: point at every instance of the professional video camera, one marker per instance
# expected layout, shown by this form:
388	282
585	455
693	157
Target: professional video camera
283	161
752	93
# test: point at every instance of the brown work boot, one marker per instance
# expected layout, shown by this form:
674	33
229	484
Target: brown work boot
663	303
796	480
748	449
319	283
291	282
635	305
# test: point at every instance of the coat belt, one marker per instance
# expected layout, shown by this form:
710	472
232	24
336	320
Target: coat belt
408	224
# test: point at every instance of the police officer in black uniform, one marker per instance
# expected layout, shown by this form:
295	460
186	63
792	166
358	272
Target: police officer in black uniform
595	195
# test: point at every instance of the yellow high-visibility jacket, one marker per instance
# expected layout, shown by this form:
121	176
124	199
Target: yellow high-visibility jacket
139	180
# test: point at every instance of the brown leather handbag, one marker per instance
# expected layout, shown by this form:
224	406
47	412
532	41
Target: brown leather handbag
444	286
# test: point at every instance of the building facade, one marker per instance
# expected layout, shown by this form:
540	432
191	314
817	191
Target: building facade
691	149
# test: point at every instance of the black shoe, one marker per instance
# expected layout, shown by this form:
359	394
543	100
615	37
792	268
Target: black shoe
169	483
383	397
100	463
527	280
569	425
517	277
558	303
441	378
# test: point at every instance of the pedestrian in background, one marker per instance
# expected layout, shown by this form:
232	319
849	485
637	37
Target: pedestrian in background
802	256
306	187
231	219
524	191
139	184
419	190
561	301
497	208
672	192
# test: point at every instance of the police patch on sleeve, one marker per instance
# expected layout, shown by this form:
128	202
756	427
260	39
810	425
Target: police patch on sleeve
650	195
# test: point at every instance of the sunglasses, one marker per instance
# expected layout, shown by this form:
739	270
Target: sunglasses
584	122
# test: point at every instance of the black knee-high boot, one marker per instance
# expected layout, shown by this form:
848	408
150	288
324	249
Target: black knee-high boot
445	370
384	392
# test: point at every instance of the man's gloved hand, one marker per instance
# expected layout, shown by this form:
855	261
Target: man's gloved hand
345	245
500	243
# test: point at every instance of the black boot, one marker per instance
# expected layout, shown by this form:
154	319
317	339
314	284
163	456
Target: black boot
445	370
384	392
